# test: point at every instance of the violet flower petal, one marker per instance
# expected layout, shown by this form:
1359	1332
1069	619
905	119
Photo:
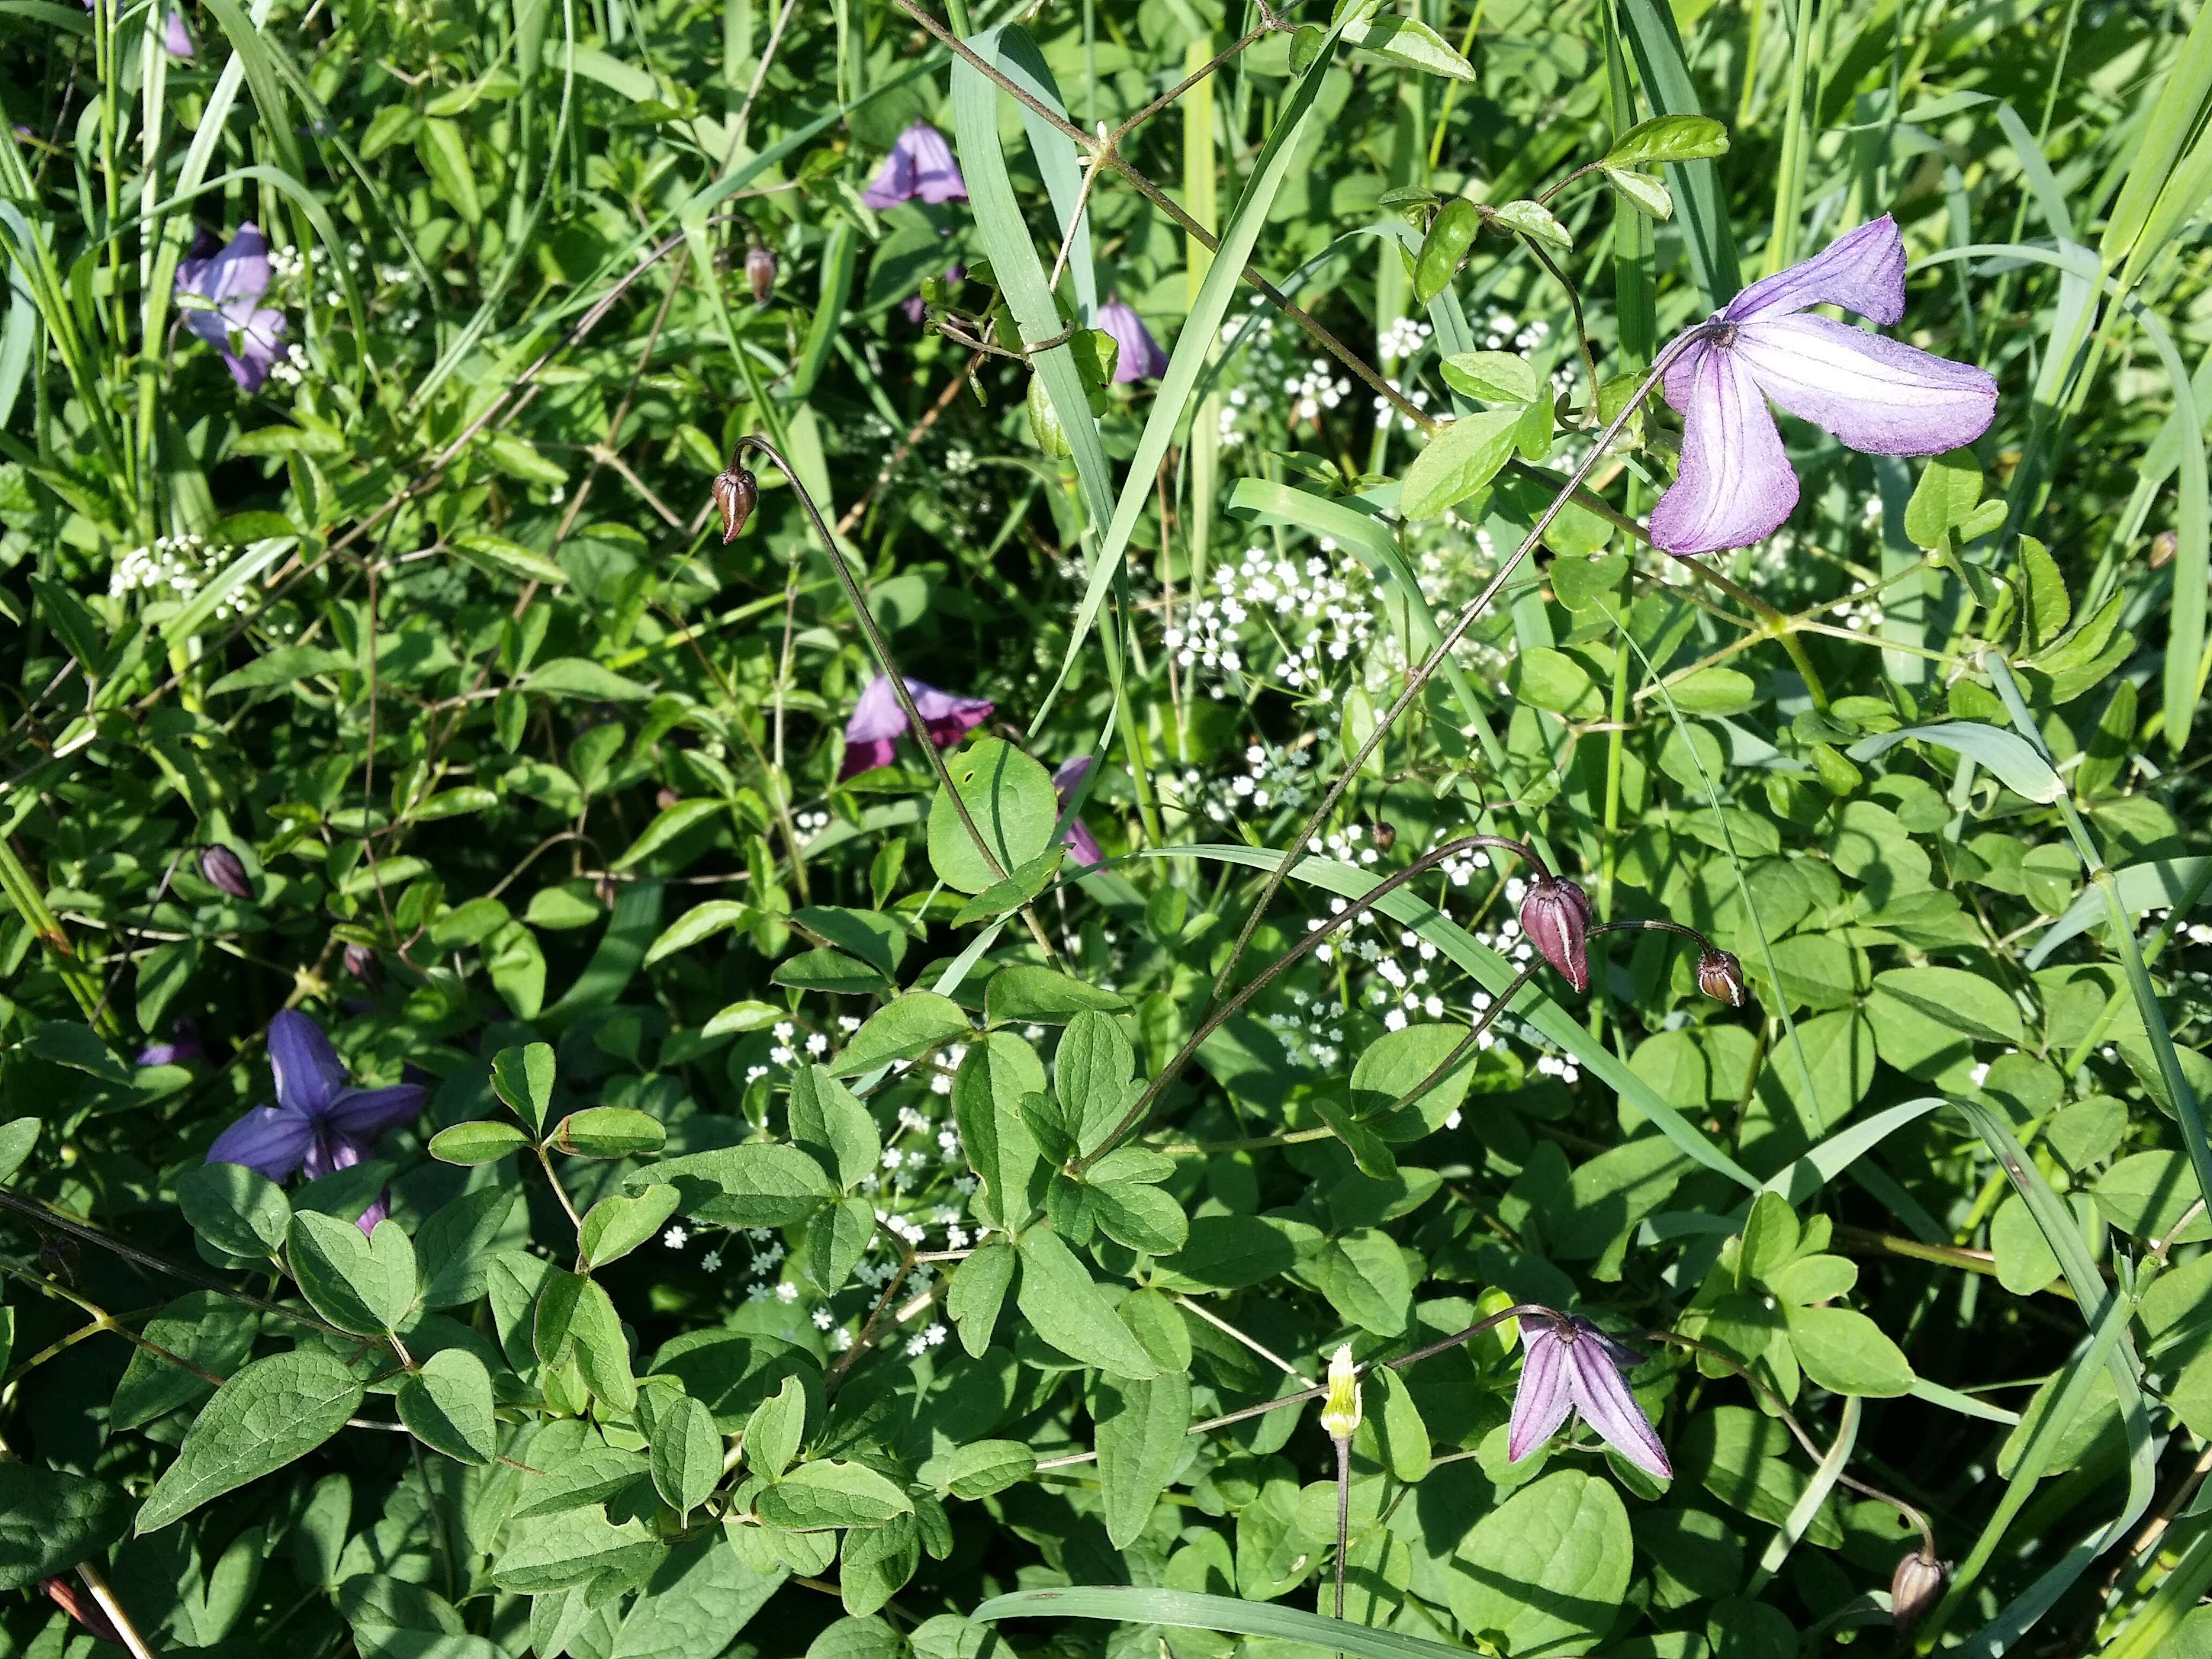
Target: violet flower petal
1863	271
365	1115
1141	357
1602	1394
1879	395
877	717
1544	1396
1082	846
329	1150
946	716
866	757
936	174
268	1139
894	181
178	38
1735	485
308	1076
241	272
379	1209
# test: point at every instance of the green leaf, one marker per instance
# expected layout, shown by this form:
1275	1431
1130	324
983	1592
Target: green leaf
1189	1610
902	1030
1845	1352
1010	800
977	1293
65	1043
1535	221
366	1285
1141	1430
1965	1003
1141	1217
2146	1194
1066	1308
762	1183
1646	195
836	1238
1770	1240
1394	1420
394	1619
1669	138
830	1493
285	665
2007	754
1231	1252
1365	1277
830	1123
669	823
17	1136
1495	377
274	1411
50	1520
1546	1571
686	1454
994	1077
239	1211
608	1132
776	1430
448	1405
983	1467
576	1317
1458	460
1019	995
702	921
617	1225
573	1546
206	1330
495	556
1451	232
578	677
483	1141
523	1079
1410	44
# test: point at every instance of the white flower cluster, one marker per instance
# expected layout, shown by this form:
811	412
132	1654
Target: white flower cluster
1273	777
177	566
1861	618
1315	389
1250	406
1502	331
291	369
1316	614
1386	411
960	460
1401	336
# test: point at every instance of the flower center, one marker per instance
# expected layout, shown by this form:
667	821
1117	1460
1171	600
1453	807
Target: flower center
1723	335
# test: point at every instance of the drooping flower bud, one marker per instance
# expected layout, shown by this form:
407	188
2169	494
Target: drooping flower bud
1914	1588
1339	1410
360	962
83	1609
1720	976
736	493
1382	836
223	870
1556	916
760	273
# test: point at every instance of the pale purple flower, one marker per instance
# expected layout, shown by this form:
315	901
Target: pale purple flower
1556	917
1568	1365
878	723
231	280
379	1209
1082	845
1141	357
320	1122
921	164
178	38
222	869
1877	395
184	1044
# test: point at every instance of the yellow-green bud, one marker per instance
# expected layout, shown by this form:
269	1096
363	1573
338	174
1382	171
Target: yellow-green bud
1340	1411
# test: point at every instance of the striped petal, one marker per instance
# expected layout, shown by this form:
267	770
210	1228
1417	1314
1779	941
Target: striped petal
1544	1396
1601	1394
1735	485
1863	271
1880	396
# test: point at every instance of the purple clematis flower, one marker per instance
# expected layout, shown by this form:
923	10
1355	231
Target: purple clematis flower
1082	845
1141	357
231	280
1568	1365
878	723
921	164
178	38
320	1122
1878	396
1556	916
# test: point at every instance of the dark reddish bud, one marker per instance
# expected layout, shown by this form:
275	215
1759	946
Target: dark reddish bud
1556	916
83	1609
603	889
222	869
360	962
735	492
666	799
1382	836
1914	1588
760	273
1720	976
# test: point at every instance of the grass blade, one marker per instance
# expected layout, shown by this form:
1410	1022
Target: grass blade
1131	1604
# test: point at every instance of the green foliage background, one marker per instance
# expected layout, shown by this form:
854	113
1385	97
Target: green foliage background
822	1232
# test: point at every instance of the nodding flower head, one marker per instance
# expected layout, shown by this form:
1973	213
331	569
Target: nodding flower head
1339	1410
760	273
1720	976
222	869
360	962
737	492
1556	916
921	165
219	290
1879	395
1139	357
1914	1588
872	734
1568	1365
320	1122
